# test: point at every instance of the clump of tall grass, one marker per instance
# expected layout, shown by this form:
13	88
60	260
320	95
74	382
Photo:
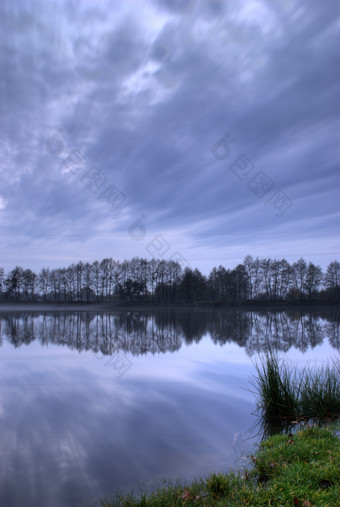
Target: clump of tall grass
285	395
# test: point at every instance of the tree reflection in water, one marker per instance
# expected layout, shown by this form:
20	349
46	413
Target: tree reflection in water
142	332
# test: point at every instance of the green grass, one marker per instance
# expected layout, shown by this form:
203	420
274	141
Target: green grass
286	395
288	469
301	469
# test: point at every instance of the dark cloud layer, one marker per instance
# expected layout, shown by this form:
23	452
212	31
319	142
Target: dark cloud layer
144	90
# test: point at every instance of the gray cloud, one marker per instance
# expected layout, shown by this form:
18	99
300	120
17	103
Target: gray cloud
144	91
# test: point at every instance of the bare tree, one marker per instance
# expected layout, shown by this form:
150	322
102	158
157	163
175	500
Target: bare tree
253	270
79	276
14	282
313	279
299	276
55	284
96	272
332	278
285	278
87	280
44	282
2	282
29	281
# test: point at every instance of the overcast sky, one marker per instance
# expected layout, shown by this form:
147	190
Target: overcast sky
202	129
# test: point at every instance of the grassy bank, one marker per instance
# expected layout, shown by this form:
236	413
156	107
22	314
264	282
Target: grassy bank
297	468
301	469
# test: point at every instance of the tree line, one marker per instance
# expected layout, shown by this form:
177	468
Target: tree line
165	281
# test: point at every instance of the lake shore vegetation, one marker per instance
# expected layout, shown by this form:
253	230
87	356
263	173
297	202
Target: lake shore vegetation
299	469
299	465
287	396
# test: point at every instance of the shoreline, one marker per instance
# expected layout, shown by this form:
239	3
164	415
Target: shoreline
299	468
143	307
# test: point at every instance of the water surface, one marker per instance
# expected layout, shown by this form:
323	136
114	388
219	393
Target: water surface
94	403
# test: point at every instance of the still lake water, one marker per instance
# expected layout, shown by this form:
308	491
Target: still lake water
97	403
